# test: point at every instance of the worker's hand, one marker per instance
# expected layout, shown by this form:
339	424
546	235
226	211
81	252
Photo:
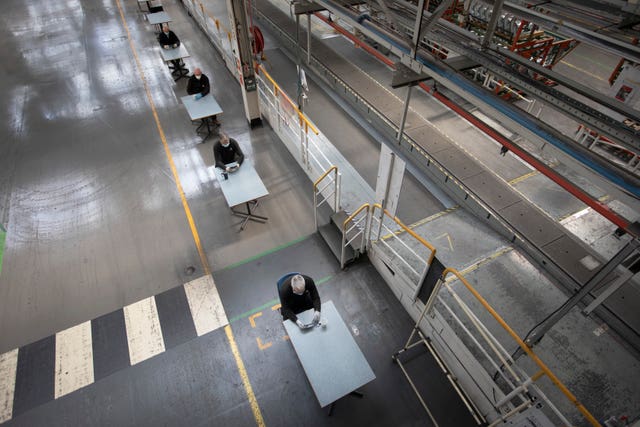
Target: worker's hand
166	46
198	96
228	168
300	324
316	317
175	45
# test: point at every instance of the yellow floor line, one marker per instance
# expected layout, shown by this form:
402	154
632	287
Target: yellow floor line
583	71
483	261
420	222
255	408
523	177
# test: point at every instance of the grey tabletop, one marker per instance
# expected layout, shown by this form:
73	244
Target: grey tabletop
206	106
329	355
242	186
173	54
158	18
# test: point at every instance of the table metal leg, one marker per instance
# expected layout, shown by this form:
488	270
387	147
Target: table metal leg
248	215
179	70
353	393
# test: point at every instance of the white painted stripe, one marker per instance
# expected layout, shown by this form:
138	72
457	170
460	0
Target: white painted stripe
206	308
8	366
143	330
74	359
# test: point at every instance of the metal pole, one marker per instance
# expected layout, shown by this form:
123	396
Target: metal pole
538	332
404	114
308	39
298	61
493	21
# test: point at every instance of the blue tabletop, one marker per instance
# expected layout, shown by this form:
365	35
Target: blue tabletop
158	18
206	106
241	186
329	355
173	54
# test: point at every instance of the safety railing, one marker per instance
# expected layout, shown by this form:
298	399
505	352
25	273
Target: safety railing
544	369
330	189
594	141
520	389
354	227
294	128
411	250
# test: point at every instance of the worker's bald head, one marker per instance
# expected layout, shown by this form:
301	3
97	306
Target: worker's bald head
297	284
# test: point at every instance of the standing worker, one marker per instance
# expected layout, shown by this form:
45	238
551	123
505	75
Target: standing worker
297	294
226	151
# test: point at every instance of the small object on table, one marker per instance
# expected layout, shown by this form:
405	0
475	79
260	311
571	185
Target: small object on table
330	357
174	59
201	110
244	188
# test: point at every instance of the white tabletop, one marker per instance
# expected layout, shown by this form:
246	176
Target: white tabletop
329	355
173	54
242	186
206	106
158	18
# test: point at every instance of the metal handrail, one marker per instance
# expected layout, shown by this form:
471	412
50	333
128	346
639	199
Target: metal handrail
315	192
307	123
543	367
362	232
406	229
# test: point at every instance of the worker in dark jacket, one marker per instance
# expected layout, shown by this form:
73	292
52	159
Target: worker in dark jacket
198	85
169	40
297	294
226	151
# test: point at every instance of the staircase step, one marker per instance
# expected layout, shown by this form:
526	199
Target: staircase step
333	237
338	219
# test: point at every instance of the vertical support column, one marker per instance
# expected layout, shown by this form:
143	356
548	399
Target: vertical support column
491	27
243	55
308	39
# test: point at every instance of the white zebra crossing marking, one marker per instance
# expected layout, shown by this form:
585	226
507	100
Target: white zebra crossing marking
74	359
144	333
8	367
206	308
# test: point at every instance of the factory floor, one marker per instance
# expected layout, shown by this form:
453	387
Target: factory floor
109	198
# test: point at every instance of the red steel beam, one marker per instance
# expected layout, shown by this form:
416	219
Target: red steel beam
596	205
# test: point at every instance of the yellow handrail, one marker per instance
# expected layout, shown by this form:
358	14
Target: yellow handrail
407	229
353	215
544	369
323	176
300	114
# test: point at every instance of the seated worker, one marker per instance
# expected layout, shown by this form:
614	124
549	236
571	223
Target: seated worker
297	294
226	151
198	85
169	40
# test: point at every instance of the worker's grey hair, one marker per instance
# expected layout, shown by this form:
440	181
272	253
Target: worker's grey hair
297	284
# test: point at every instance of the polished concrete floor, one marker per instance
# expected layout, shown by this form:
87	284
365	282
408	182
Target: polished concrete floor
95	222
93	216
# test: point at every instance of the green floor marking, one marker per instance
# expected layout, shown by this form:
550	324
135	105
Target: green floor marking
265	253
